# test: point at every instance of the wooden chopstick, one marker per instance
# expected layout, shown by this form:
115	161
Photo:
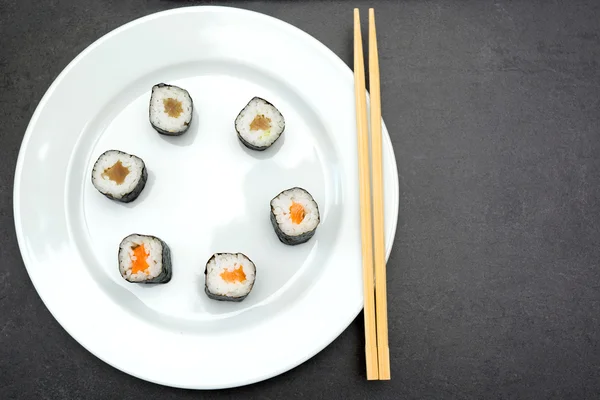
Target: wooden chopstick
383	352
365	202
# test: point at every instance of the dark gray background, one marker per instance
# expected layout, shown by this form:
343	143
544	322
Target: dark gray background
494	281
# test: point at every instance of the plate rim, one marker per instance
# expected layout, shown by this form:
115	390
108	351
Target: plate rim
20	234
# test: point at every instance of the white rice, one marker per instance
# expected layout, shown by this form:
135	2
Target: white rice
228	262
154	250
160	118
260	138
106	185
281	204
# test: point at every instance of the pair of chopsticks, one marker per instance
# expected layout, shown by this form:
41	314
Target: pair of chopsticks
372	236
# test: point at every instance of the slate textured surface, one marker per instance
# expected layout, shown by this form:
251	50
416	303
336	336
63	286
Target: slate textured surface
494	279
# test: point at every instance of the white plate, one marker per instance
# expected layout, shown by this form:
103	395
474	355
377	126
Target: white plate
206	193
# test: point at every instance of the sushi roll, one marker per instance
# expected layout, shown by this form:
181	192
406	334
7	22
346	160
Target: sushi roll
259	124
144	259
229	276
119	176
171	109
294	215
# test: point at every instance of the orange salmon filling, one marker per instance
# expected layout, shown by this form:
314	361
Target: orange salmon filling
235	275
297	213
172	107
140	264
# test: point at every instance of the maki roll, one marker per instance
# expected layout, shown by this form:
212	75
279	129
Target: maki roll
259	124
119	176
229	276
144	259
294	215
171	109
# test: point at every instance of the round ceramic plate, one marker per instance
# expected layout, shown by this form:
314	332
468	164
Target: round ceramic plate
206	193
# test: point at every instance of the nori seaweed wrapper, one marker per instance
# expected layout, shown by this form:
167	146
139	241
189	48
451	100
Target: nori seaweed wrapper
220	297
186	125
166	260
136	191
289	239
247	143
